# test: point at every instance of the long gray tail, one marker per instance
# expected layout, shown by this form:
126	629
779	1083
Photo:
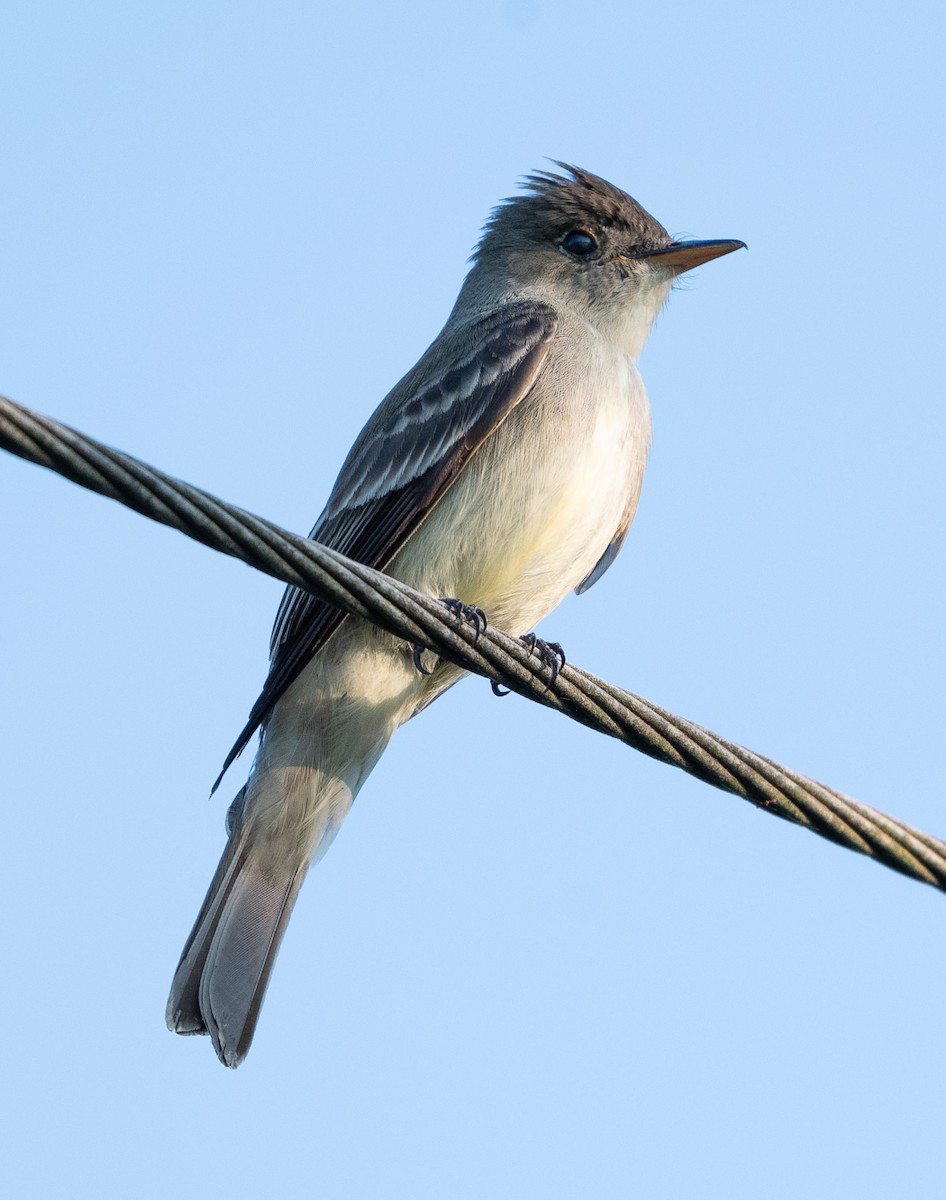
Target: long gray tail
220	982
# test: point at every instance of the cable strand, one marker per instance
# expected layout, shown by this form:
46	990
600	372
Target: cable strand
416	618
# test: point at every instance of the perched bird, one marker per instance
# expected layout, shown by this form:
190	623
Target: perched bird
503	470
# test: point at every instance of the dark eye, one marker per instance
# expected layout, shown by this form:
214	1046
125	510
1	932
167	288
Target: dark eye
580	243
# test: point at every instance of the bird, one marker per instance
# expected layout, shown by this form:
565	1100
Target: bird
501	473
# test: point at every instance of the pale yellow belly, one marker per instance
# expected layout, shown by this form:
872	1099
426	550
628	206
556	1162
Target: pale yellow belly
534	512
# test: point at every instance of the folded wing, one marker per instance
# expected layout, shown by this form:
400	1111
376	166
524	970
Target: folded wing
410	452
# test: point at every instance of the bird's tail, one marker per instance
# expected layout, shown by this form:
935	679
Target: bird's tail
220	982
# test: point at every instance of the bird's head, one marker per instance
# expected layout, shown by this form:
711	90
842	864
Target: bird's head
579	241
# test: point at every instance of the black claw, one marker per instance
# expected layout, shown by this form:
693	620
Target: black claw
551	654
418	651
467	612
556	661
470	613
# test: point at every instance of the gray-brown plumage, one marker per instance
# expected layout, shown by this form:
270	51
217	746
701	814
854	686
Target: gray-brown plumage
504	469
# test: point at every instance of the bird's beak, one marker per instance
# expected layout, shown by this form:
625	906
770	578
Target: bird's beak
684	256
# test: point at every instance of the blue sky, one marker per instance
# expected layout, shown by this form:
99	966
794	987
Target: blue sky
534	963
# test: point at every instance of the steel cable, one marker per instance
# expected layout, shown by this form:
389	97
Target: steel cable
422	619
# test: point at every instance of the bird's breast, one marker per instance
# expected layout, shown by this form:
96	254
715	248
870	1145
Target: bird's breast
534	511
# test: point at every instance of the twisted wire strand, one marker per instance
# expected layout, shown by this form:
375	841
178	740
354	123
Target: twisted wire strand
491	653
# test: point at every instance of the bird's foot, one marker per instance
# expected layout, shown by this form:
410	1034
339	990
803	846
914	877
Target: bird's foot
418	661
551	655
468	613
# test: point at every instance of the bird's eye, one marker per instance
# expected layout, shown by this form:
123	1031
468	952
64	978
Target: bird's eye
580	243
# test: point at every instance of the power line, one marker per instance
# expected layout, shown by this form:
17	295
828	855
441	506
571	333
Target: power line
420	619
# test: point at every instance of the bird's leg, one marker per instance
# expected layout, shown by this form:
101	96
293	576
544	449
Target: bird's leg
551	654
466	612
470	613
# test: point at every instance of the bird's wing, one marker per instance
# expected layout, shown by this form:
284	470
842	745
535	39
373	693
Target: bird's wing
407	456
